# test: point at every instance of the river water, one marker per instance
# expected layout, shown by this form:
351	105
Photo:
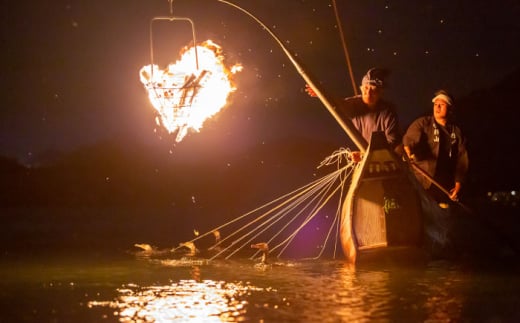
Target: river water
75	265
127	287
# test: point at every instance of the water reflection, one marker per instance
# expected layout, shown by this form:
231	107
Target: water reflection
433	295
442	300
186	301
363	295
305	292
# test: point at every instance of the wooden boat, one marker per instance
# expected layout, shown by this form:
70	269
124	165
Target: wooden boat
387	214
385	205
382	208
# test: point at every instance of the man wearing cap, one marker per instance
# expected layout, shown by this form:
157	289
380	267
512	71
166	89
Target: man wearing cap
369	112
438	147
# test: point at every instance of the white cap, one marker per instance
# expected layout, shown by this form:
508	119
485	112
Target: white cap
443	97
375	76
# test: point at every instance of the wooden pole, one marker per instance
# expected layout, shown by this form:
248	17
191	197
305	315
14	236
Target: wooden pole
346	125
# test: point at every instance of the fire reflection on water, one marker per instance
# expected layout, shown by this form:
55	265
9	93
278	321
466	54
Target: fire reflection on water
88	290
186	301
344	294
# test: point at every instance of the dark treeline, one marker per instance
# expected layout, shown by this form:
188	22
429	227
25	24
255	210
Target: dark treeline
108	174
489	118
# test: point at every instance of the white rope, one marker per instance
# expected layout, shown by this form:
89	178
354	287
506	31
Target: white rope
323	191
302	192
335	223
251	213
308	199
291	237
311	215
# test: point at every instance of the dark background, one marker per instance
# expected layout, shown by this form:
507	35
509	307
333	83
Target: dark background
77	132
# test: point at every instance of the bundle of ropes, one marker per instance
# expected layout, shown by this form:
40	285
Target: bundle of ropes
273	226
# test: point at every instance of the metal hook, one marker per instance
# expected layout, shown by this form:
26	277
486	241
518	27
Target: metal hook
170	19
173	18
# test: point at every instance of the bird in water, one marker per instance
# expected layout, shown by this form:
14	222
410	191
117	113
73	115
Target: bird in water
264	247
191	246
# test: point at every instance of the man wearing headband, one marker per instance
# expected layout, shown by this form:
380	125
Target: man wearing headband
436	144
369	112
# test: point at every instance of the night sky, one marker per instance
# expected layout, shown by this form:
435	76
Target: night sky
70	73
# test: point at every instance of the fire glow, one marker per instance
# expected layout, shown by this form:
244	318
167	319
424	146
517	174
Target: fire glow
185	96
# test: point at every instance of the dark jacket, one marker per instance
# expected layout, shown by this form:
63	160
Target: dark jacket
442	153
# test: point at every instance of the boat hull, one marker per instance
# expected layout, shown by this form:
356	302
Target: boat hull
382	208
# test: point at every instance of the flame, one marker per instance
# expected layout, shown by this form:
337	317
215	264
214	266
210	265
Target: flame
185	96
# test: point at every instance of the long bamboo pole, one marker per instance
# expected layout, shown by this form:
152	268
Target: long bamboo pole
345	48
346	125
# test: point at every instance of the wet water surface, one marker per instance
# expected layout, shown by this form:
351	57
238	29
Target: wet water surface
129	288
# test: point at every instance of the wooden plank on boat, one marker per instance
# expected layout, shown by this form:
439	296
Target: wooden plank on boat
382	207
